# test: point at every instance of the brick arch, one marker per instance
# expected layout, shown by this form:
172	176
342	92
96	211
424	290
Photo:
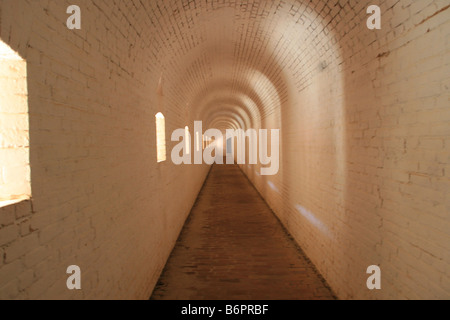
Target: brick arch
216	96
216	45
223	123
364	121
225	114
236	107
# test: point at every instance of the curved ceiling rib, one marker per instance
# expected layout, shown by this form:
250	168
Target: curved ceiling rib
249	57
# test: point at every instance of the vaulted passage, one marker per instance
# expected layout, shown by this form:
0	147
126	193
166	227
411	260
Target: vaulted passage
233	241
112	113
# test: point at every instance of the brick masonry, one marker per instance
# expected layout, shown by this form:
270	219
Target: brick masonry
234	248
365	134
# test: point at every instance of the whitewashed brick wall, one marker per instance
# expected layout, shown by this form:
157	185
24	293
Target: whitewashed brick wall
99	198
364	175
365	133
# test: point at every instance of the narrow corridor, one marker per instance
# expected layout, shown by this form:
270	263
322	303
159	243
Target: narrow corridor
232	247
113	112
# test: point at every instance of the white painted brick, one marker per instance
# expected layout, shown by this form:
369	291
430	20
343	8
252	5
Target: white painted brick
98	194
9	271
35	256
10	290
20	247
26	279
7	216
8	234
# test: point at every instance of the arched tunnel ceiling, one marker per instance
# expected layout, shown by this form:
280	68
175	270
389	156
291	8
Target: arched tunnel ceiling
239	54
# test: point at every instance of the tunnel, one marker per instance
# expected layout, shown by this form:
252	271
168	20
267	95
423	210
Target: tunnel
346	101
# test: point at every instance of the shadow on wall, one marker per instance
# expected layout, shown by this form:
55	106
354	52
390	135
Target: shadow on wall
96	183
361	174
396	188
314	165
361	181
323	172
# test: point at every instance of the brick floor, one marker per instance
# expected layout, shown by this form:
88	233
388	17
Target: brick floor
233	248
